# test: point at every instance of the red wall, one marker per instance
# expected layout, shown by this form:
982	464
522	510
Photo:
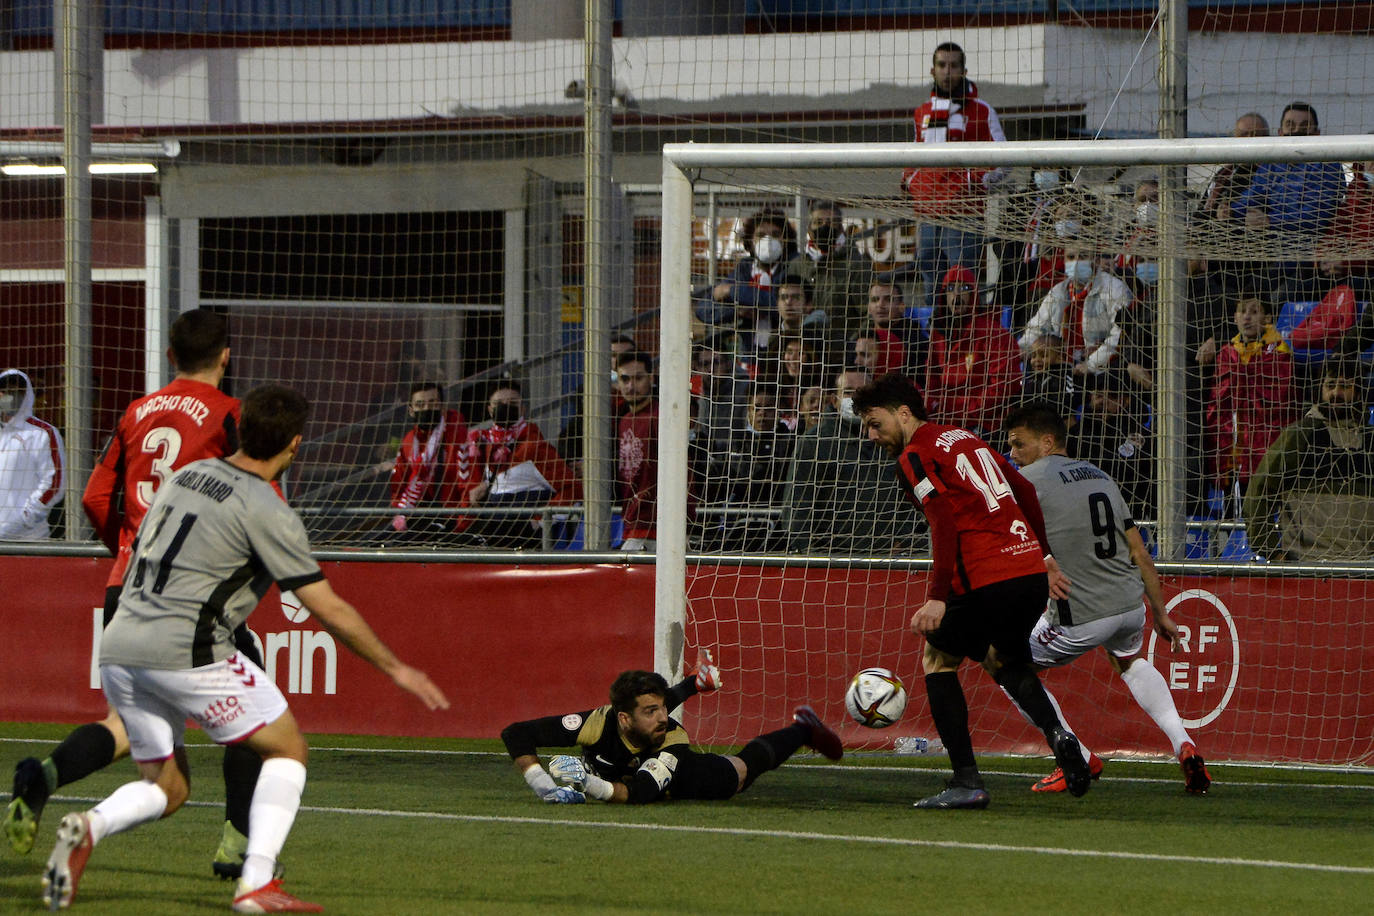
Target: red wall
510	642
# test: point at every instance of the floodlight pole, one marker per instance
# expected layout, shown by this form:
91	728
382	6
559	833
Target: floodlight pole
1170	439
79	29
597	432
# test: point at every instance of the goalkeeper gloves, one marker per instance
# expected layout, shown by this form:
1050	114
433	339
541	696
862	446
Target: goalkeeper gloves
707	674
565	795
571	771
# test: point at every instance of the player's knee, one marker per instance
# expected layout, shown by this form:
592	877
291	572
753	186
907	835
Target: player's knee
115	726
933	661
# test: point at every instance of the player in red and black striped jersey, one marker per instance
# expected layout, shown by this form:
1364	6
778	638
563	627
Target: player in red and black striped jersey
633	752
990	579
186	420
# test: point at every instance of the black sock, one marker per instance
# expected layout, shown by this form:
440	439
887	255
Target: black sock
1019	680
770	751
241	767
86	750
681	692
949	709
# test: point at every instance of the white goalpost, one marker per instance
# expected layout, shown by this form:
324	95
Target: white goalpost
795	624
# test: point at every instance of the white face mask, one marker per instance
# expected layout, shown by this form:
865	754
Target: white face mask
1079	271
1045	180
768	249
1067	228
847	408
1147	214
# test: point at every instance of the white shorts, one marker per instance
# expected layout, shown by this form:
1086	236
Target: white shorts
229	700
1121	634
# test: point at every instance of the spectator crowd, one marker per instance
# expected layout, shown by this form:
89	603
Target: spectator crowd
1277	425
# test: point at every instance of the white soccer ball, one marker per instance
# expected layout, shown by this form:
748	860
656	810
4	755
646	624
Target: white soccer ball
875	698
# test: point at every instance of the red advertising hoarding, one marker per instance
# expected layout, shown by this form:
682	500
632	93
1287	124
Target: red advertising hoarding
1272	669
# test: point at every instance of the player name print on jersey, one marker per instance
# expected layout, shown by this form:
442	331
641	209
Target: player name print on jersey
182	403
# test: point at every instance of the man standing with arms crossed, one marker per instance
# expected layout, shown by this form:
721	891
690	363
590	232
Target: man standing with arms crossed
1093	535
218	535
184	421
988	583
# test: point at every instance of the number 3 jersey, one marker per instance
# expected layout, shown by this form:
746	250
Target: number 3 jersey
159	434
214	540
1086	520
983	534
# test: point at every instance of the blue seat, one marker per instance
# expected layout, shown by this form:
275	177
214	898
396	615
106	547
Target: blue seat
922	315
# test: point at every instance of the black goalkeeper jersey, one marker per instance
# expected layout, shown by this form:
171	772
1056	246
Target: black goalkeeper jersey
604	751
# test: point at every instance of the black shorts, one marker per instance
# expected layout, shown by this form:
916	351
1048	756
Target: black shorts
704	776
1000	615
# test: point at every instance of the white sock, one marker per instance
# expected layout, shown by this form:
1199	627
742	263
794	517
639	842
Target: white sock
1083	748
128	806
276	797
1152	694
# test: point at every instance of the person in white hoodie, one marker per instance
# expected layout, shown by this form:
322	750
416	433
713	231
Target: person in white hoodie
32	473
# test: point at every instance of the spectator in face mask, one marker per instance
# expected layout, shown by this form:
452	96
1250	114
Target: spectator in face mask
508	463
426	471
837	271
748	298
1083	311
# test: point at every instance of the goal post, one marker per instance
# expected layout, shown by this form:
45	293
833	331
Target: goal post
794	624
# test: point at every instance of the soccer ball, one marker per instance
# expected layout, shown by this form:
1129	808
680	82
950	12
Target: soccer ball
875	698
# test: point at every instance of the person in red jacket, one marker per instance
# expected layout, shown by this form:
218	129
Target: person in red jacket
637	459
510	463
988	584
974	369
947	200
425	474
1252	397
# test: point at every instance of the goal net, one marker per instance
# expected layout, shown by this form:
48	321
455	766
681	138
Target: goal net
1196	310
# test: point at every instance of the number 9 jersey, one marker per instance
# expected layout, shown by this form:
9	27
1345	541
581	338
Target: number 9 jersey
160	433
984	516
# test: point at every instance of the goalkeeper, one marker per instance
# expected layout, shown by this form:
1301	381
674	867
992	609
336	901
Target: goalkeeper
632	751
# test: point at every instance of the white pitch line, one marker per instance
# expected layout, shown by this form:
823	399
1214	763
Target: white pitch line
872	840
1139	780
812	835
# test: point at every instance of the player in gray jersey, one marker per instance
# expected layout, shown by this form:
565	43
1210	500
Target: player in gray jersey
216	537
1100	550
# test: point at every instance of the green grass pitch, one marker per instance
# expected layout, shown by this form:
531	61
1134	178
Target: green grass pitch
419	826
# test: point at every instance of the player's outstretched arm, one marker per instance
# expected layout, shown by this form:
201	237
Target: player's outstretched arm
345	624
1154	591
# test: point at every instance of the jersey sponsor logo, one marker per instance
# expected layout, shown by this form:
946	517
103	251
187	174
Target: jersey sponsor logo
597	757
572	722
1020	529
1203	679
219	713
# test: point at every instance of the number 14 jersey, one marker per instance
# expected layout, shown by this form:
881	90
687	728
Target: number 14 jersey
993	539
160	433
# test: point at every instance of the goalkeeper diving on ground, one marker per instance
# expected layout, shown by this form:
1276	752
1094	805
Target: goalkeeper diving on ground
634	752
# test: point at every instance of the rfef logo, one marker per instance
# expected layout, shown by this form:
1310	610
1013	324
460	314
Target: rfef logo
1202	674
